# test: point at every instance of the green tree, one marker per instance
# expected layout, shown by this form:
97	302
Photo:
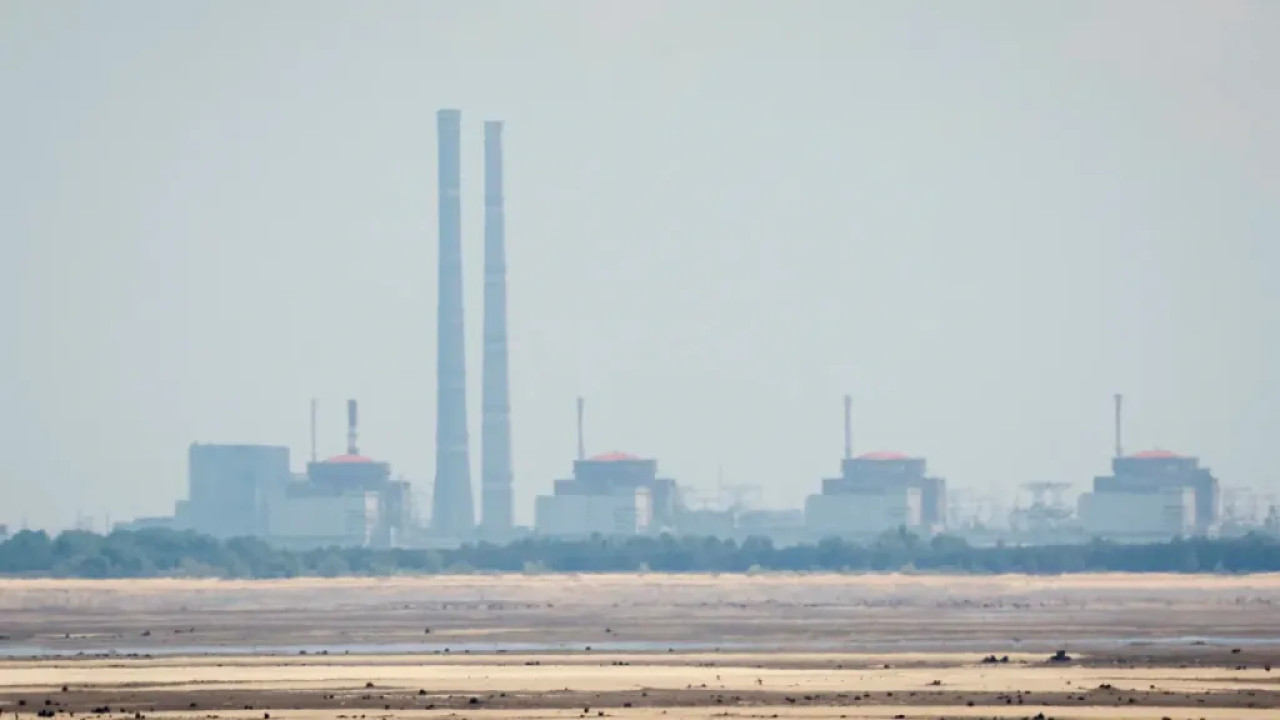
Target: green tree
333	565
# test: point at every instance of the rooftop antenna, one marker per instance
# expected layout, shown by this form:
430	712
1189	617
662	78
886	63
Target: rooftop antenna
582	447
848	427
351	428
1119	425
313	430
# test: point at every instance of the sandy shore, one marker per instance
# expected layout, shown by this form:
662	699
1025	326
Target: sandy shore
644	647
891	613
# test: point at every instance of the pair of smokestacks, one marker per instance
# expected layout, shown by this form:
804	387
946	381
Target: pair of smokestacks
452	511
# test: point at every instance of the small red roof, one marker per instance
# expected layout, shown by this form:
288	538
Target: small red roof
615	456
349	459
1155	454
884	455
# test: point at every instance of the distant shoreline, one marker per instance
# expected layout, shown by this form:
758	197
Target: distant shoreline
171	554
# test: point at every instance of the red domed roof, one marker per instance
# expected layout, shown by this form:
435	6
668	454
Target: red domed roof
1155	454
884	455
615	456
349	459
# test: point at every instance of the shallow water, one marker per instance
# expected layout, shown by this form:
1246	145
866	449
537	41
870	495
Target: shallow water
479	648
17	651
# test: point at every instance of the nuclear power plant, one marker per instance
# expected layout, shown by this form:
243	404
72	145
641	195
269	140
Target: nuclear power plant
351	499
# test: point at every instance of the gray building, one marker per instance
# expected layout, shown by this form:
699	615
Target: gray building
882	471
610	494
228	487
1155	478
876	492
619	472
353	473
347	500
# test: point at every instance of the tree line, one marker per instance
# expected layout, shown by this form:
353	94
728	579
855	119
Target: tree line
168	553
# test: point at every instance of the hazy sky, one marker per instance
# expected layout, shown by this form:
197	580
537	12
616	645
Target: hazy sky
980	218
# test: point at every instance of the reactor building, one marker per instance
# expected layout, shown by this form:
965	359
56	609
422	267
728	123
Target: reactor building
876	492
1151	495
614	493
347	500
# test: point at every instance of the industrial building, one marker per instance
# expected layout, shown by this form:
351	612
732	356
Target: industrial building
876	492
1151	495
248	490
1154	494
783	526
621	512
228	487
145	523
611	494
305	516
707	522
348	500
863	511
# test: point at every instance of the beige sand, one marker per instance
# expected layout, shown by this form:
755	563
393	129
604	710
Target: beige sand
868	612
837	645
762	712
233	674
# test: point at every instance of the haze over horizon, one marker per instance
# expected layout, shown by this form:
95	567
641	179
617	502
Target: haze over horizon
981	219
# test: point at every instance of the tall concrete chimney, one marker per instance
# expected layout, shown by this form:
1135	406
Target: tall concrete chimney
582	445
496	478
453	509
352	422
1119	425
848	426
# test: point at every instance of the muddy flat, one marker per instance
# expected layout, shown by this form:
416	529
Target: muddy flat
645	646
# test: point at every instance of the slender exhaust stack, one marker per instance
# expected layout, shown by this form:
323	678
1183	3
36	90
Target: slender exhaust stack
848	427
313	430
1119	425
453	510
496	477
352	421
582	445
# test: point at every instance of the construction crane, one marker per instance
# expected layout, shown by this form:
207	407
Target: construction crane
1047	510
735	496
739	497
694	498
1048	494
